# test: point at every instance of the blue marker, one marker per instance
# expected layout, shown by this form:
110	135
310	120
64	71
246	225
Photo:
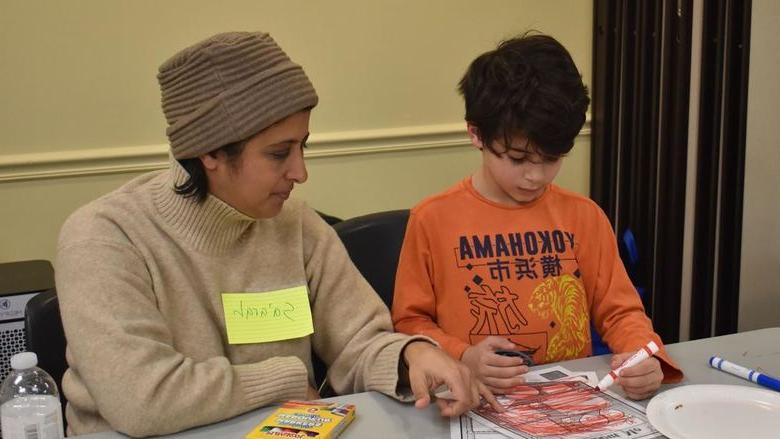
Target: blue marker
743	372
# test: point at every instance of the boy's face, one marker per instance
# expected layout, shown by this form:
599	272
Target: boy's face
515	175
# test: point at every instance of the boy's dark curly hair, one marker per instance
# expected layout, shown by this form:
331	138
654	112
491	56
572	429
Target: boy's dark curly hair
528	86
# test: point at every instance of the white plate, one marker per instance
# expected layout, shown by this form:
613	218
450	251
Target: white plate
710	411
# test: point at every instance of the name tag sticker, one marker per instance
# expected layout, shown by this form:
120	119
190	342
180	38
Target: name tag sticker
267	316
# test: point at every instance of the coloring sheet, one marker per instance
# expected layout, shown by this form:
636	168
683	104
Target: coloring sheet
556	403
465	427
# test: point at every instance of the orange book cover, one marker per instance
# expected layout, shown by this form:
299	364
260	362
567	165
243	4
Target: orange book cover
305	419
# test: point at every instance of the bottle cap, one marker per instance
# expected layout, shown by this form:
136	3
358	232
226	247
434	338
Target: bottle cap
24	360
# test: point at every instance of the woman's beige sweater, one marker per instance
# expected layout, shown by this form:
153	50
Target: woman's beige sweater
140	273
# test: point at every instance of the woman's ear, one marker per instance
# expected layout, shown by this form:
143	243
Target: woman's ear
210	161
474	136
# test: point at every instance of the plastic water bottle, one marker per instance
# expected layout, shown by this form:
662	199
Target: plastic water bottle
29	401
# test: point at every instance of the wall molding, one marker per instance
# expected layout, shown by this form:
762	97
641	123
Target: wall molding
141	158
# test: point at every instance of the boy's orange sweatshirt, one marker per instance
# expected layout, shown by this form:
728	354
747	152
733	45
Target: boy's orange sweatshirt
537	274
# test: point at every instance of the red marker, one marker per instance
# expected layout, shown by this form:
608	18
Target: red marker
646	352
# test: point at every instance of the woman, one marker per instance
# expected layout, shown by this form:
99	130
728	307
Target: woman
145	274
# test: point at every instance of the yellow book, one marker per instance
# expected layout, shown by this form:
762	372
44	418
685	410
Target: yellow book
305	419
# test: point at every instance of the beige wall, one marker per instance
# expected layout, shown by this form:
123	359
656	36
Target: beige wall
80	110
759	302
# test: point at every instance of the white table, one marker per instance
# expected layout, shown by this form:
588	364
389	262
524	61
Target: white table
381	417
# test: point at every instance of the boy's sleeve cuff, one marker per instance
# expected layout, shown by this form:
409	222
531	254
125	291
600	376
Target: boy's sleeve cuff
672	372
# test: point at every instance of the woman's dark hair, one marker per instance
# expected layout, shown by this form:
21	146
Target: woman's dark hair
197	184
527	86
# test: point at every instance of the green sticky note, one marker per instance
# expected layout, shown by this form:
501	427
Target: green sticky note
267	316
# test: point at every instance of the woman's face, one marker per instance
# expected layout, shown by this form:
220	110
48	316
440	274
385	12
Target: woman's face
260	179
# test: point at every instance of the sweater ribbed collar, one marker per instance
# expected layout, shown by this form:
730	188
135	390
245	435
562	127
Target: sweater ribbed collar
211	226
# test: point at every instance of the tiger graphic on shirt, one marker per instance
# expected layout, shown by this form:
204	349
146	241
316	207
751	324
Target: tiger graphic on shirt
564	298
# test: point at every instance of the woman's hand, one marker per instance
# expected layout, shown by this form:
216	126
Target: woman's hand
312	393
640	381
498	372
430	367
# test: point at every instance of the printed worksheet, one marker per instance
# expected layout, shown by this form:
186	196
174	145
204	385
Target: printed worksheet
556	403
465	427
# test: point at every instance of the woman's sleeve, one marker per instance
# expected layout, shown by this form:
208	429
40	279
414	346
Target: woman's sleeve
616	308
353	333
122	351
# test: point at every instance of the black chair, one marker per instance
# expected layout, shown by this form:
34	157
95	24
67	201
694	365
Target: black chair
330	219
45	336
374	242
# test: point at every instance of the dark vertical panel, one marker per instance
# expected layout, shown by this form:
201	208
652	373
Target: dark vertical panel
634	140
647	140
626	189
705	232
629	192
605	104
672	167
640	149
638	157
735	85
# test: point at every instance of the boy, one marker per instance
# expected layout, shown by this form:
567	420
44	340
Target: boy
507	261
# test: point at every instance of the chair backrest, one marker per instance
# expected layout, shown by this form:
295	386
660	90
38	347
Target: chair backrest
374	244
45	336
330	219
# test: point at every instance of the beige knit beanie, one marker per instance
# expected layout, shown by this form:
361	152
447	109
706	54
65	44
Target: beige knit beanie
228	88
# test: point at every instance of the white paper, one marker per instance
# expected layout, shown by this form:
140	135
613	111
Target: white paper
589	415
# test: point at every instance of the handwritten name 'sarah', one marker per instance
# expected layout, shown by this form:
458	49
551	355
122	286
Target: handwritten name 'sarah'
274	311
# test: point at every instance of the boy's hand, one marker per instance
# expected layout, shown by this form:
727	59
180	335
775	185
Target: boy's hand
640	381
430	367
498	372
